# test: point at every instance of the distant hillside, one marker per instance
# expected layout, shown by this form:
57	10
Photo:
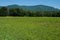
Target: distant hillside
34	8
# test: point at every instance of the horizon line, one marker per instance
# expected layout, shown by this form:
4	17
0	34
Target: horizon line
29	5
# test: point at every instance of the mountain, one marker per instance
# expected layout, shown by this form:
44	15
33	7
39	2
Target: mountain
34	8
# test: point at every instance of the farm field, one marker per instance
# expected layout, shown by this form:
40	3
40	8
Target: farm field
29	28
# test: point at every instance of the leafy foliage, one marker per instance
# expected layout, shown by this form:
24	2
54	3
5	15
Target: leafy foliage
20	12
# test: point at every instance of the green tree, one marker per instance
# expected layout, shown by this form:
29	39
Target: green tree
3	11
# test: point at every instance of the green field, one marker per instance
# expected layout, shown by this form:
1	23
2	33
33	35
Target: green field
29	28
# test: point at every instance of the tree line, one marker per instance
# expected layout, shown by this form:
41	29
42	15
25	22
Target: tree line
4	11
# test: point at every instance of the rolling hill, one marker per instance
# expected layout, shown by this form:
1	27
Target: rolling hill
34	8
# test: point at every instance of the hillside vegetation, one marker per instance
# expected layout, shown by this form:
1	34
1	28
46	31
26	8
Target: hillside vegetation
30	11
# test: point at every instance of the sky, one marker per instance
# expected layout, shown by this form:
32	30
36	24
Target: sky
53	3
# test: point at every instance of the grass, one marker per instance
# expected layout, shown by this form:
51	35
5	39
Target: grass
29	28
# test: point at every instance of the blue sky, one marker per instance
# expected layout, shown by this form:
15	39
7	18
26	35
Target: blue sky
53	3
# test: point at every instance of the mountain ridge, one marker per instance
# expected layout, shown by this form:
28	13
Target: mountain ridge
33	8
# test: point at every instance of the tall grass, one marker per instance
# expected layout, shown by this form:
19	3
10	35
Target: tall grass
29	28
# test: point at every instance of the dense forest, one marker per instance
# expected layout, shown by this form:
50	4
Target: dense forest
4	11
